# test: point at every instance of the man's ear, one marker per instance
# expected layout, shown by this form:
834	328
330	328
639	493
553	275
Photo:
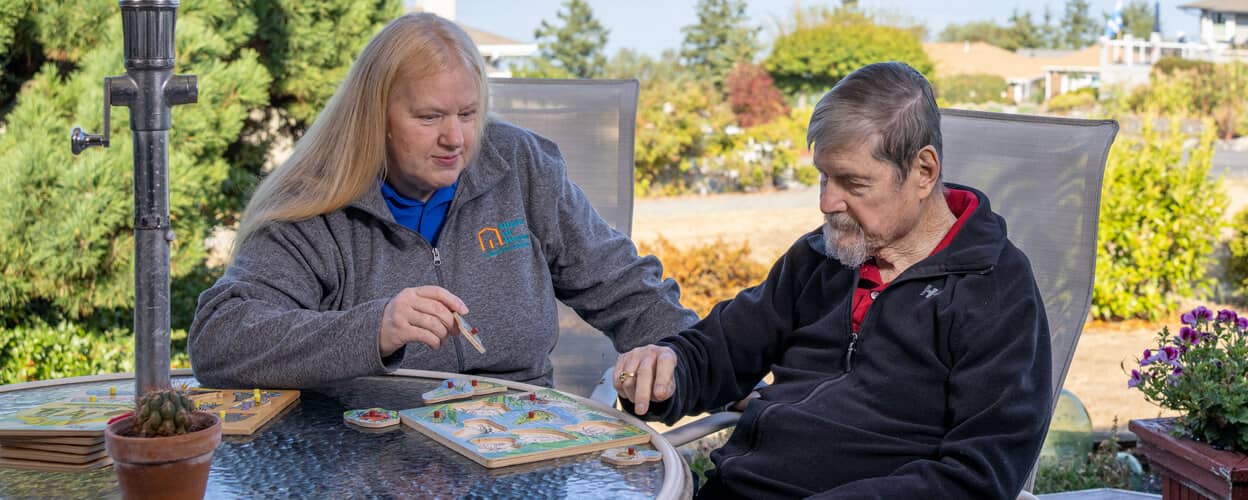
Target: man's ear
926	169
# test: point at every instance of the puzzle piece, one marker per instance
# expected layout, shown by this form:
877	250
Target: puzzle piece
207	405
264	397
632	455
373	418
236	417
458	388
111	392
469	333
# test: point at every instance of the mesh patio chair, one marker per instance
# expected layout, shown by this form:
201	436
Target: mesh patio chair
593	122
1043	175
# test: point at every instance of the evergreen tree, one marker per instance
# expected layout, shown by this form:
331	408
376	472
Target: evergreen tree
575	44
66	243
1024	33
1051	33
719	41
627	63
34	32
309	46
66	252
1137	19
975	31
1078	27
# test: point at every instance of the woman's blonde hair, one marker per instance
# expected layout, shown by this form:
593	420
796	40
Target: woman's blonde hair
343	153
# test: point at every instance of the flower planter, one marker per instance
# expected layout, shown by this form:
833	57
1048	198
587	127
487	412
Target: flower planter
173	467
1190	469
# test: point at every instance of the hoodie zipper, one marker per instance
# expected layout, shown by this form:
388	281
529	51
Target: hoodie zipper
437	267
849	367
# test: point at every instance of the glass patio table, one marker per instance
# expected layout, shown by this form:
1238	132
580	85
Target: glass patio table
307	451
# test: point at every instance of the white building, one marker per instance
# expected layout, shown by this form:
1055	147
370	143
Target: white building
499	51
1222	21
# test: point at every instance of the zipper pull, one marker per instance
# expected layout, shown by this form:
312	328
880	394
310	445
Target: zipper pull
849	352
437	257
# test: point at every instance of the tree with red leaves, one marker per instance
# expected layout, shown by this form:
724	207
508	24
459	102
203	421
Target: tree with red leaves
753	96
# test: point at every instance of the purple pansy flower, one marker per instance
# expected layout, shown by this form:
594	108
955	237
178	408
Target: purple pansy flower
1169	354
1242	323
1149	357
1188	318
1227	316
1202	312
1190	335
1173	378
1135	380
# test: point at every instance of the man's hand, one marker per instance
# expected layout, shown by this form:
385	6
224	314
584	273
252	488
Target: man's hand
645	374
421	314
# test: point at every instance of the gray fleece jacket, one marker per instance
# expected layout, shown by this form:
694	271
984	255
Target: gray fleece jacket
301	305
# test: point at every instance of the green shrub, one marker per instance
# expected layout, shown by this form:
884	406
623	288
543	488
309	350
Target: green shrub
707	274
1084	98
1160	219
43	352
812	58
677	124
1199	92
698	453
1170	65
764	155
1237	264
971	89
1099	469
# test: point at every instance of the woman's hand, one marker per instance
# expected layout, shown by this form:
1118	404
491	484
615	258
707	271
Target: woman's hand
646	374
421	314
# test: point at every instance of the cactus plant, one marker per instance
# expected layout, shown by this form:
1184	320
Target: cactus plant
163	413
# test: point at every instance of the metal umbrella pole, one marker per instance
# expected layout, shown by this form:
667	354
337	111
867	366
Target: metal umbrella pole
150	89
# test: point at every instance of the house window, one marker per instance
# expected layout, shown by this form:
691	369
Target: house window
1218	17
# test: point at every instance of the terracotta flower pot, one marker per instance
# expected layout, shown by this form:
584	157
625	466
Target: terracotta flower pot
174	467
1190	469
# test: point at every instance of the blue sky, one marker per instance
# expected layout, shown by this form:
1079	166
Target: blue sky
650	26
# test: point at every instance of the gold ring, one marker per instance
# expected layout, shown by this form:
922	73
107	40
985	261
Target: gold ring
625	375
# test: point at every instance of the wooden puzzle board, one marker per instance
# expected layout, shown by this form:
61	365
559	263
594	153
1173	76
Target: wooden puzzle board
242	416
54	466
497	431
64	418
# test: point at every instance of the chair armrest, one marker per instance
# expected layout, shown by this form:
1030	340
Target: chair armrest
702	427
604	392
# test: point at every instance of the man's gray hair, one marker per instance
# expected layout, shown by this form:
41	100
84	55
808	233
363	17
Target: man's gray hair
888	104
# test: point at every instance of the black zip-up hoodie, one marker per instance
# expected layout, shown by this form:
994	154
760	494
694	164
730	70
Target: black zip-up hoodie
944	392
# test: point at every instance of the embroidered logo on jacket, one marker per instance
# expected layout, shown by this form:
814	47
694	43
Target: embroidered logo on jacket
929	291
508	236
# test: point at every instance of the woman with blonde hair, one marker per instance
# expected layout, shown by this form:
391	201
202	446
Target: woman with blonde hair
401	204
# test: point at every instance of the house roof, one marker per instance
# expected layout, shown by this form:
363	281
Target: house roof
959	58
1235	6
481	37
494	46
488	43
1087	57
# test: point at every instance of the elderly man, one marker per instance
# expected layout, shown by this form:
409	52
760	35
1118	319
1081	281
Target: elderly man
907	337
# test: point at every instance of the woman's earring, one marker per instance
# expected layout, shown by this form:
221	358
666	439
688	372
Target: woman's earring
388	137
